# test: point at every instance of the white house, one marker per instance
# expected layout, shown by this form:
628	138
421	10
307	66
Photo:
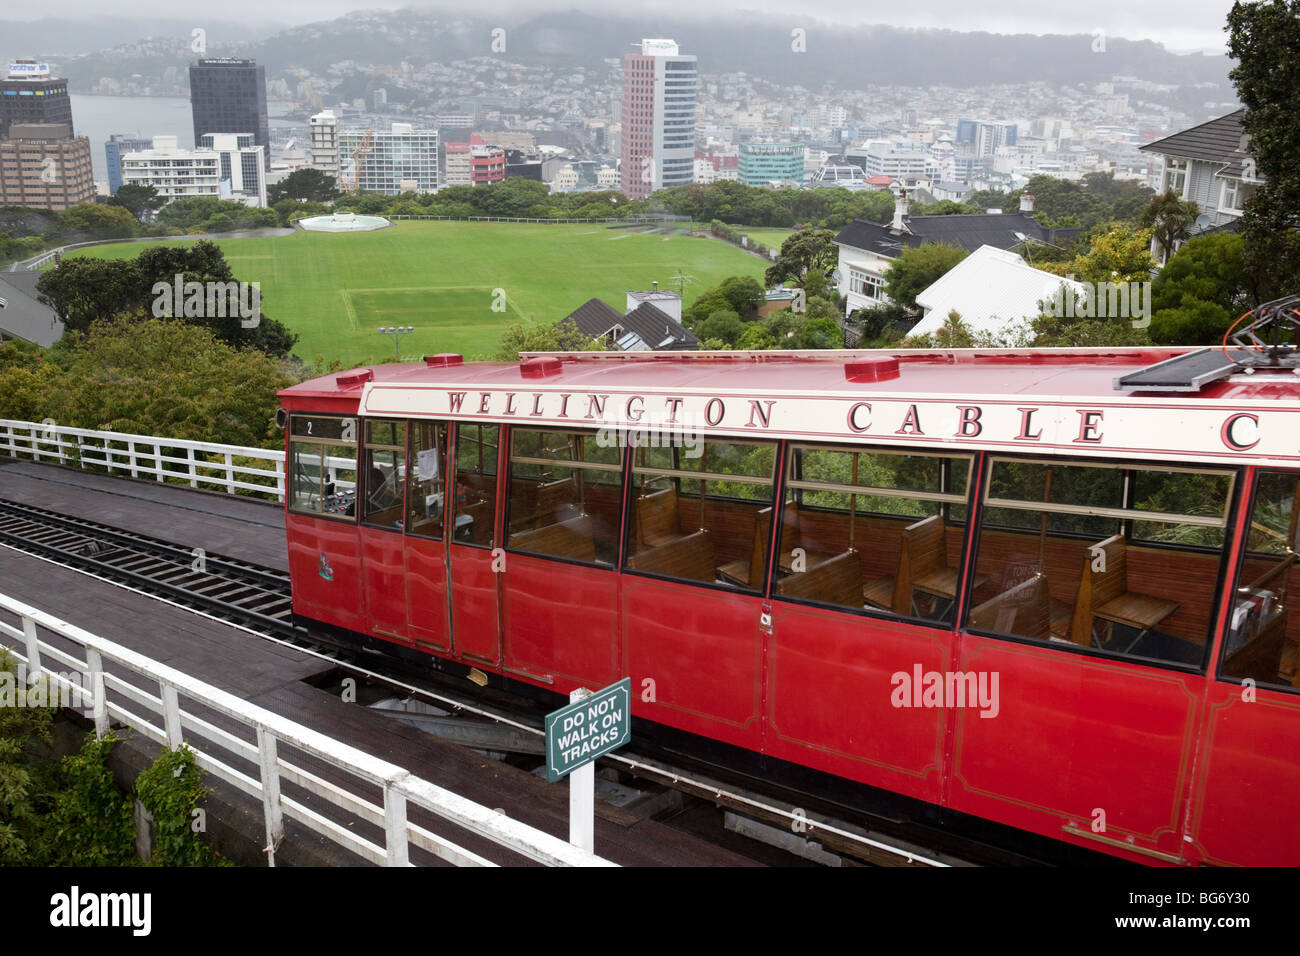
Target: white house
993	290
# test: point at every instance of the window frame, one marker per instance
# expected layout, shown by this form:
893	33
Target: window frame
309	439
411	425
572	465
1232	583
363	476
1233	503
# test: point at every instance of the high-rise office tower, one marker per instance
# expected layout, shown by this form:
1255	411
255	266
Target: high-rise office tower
29	94
228	95
658	116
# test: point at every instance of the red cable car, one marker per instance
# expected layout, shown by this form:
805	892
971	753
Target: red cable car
1047	589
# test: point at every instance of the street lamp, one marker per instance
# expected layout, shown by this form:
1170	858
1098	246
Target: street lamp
396	331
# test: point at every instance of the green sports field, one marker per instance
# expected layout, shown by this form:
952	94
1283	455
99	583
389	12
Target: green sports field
460	284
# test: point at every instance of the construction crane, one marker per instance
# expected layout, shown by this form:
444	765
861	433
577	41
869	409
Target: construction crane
311	90
350	184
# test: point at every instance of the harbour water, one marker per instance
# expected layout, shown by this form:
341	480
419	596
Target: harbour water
98	117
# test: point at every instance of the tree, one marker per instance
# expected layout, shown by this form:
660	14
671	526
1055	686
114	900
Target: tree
724	325
745	293
1200	292
82	289
140	201
165	377
917	268
93	221
562	336
1264	38
1117	253
309	185
805	250
1170	220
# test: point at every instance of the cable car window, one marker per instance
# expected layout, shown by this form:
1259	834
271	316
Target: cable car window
424	504
1110	556
1263	638
566	492
870	530
702	511
476	484
322	466
384	468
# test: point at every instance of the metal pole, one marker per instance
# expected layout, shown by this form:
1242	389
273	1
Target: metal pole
582	796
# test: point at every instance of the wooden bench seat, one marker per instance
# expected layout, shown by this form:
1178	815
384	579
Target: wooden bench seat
568	539
834	581
1103	593
657	521
689	557
1024	610
748	573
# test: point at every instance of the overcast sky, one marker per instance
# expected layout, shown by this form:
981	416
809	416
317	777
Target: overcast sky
1179	24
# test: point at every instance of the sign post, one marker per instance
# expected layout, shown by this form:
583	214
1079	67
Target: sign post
590	726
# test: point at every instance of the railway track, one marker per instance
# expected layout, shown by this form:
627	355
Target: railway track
257	599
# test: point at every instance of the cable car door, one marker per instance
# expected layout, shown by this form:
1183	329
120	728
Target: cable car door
473	564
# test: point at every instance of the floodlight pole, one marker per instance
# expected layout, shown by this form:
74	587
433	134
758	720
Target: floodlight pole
396	332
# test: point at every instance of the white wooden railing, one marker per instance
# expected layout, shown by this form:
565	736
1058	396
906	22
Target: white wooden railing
234	469
182	709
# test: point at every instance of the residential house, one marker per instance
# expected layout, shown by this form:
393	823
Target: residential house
867	249
644	328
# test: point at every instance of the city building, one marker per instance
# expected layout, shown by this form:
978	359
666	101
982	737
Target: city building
658	118
525	164
30	94
402	159
867	249
1210	165
325	143
118	145
487	164
983	139
240	166
174	172
895	160
228	95
763	163
42	165
457	166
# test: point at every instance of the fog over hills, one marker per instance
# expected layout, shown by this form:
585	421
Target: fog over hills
761	45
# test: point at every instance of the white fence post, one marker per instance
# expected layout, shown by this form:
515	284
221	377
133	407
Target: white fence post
395	827
230	476
158	461
171	715
194	474
271	808
95	669
130	457
33	649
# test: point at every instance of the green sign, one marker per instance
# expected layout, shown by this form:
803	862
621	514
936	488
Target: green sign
578	733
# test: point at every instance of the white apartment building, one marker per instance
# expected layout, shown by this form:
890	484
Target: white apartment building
325	143
399	160
457	165
225	166
896	160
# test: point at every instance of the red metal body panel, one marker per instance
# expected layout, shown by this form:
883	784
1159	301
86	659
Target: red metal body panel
829	698
426	593
475	606
325	569
703	650
1076	735
560	622
383	569
1244	804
